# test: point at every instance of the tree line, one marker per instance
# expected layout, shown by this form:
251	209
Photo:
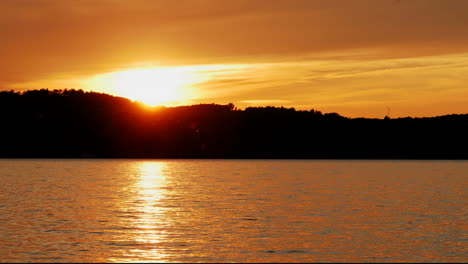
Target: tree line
76	124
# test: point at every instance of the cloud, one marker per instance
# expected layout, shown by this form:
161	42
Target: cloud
265	102
40	37
355	88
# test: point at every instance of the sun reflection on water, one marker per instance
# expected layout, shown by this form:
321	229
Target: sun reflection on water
151	223
151	181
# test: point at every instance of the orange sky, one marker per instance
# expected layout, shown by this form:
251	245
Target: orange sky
352	57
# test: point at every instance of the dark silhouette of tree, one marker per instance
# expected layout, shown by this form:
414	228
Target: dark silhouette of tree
72	124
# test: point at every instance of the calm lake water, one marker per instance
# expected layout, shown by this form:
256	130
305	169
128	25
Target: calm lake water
233	211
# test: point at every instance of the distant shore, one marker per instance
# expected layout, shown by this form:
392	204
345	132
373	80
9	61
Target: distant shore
77	124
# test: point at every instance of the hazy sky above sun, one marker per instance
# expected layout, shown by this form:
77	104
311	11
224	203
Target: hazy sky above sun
352	57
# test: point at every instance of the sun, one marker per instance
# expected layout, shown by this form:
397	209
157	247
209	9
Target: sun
163	85
156	86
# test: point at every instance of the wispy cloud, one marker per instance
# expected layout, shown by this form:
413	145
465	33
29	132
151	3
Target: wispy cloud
266	102
43	37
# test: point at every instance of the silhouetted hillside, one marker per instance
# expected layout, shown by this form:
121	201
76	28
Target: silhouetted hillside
73	124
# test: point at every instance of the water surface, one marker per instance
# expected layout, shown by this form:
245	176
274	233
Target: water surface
232	211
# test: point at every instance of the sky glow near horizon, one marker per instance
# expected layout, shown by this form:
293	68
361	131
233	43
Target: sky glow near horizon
355	59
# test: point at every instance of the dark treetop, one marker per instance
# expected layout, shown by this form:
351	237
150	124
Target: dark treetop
75	124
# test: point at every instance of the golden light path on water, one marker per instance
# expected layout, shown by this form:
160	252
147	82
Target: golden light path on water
151	193
151	219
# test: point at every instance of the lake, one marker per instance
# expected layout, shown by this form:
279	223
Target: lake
233	211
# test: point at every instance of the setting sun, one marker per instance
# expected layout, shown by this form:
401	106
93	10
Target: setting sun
158	86
168	86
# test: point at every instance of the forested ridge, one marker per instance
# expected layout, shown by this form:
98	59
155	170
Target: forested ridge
78	124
